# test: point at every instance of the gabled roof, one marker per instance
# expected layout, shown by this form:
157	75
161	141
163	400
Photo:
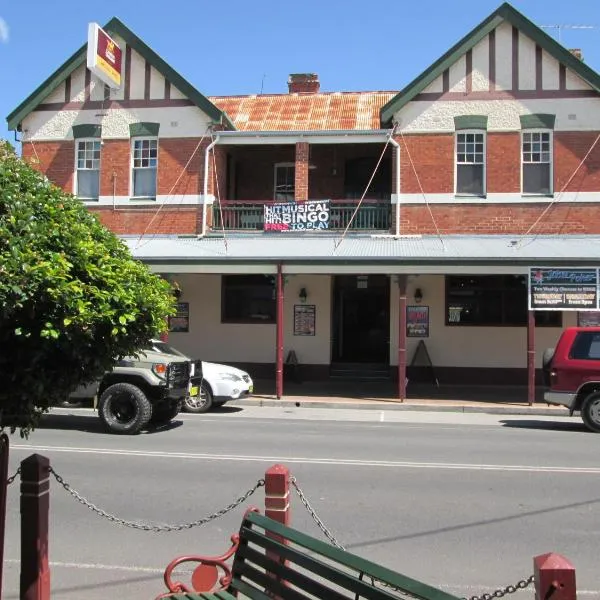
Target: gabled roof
305	112
507	13
116	27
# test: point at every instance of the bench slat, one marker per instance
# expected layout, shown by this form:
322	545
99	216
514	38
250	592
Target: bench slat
329	572
285	573
248	590
378	572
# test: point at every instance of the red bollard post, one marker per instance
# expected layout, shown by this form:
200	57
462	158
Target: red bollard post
554	577
277	504
35	508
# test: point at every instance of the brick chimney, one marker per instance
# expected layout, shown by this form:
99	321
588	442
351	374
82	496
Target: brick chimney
303	83
576	52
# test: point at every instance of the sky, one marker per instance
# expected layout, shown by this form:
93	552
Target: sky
240	47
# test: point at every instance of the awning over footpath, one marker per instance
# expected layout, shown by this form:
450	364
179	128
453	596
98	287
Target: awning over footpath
310	253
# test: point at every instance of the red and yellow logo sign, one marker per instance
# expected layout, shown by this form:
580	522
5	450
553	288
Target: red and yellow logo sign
104	56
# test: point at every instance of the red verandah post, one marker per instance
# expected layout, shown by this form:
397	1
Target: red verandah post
531	357
402	279
3	491
279	335
35	508
554	577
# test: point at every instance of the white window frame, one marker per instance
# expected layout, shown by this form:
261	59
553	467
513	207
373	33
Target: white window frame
275	167
135	139
76	174
483	133
551	149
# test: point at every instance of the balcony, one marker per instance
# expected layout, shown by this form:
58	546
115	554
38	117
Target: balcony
242	215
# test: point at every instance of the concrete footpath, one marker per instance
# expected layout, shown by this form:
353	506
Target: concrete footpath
383	396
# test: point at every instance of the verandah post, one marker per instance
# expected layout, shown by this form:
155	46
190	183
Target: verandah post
35	508
531	357
3	492
279	335
402	281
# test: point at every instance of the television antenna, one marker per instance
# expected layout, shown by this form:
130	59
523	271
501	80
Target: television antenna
560	27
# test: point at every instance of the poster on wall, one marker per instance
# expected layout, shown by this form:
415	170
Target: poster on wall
417	321
563	289
588	318
297	216
304	319
180	321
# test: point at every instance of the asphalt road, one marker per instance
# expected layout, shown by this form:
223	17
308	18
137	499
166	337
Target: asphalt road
461	501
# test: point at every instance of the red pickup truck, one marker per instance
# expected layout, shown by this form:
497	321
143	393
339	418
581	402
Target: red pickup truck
572	373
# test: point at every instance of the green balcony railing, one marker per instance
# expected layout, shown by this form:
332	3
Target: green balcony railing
240	215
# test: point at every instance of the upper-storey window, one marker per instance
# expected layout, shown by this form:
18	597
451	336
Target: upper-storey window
144	166
285	182
470	163
537	162
87	169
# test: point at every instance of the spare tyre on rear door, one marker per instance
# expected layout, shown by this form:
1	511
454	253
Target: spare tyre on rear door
124	408
547	357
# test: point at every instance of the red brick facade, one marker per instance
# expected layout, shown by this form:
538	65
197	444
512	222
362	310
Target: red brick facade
55	159
148	220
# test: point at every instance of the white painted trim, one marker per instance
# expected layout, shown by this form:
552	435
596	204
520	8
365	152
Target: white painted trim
551	147
481	132
179	199
366	269
291	139
576	197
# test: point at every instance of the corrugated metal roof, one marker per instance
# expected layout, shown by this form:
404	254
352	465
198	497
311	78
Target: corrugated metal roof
304	112
329	249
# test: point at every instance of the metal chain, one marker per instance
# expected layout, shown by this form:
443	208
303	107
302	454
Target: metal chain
509	589
155	528
314	515
11	479
499	593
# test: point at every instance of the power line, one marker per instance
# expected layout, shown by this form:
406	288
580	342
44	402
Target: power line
559	27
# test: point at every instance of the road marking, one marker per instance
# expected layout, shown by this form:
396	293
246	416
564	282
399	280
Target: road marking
100	567
312	460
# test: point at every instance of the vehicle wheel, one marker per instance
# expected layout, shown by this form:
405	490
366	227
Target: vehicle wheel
124	408
590	412
165	413
200	403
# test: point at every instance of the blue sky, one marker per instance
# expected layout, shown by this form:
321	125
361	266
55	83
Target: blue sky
236	47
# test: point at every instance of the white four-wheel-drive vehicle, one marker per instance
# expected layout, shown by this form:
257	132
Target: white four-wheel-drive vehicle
212	384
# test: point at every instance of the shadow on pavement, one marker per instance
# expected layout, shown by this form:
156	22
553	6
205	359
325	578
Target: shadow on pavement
92	424
223	410
558	425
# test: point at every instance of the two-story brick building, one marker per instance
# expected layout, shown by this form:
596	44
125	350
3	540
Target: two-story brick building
440	197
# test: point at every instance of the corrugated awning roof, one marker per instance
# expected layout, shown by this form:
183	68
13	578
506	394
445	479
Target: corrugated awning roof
304	112
382	251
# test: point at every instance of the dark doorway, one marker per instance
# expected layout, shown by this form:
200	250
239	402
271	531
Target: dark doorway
361	319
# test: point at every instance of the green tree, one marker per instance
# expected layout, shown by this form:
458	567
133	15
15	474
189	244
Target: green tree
72	298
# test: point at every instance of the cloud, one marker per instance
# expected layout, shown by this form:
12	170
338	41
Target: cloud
3	31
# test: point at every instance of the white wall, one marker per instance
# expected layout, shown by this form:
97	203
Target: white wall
212	340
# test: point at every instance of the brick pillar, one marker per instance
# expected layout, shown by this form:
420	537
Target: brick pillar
302	152
35	508
554	577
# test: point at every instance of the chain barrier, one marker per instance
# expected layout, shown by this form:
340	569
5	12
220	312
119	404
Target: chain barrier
155	528
11	479
499	593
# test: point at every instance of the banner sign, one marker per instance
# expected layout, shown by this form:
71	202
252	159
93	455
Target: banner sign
104	57
297	216
563	289
417	321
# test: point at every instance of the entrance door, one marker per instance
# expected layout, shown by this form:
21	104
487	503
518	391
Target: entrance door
361	319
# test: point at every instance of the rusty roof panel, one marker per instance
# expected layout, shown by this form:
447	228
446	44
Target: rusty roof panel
305	112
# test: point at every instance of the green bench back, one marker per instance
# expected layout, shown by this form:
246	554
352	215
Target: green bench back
309	568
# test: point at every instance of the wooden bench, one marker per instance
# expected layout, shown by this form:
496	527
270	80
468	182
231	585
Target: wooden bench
271	560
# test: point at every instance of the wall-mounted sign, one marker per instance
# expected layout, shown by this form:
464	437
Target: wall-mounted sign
362	282
304	319
104	57
589	318
563	289
297	216
417	321
180	321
